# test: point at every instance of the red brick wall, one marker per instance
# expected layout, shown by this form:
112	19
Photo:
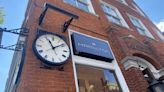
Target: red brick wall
36	79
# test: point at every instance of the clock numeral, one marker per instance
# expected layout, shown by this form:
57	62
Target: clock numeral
53	38
64	56
45	56
63	45
60	60
39	45
41	40
40	51
58	40
65	51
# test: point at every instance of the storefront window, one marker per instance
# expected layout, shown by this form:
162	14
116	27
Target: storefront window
93	79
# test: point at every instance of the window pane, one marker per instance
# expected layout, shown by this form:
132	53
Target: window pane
114	20
83	6
141	31
109	10
84	1
92	79
122	1
112	12
136	22
72	2
105	8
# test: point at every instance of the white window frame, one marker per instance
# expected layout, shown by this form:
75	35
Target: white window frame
122	1
96	63
146	31
123	22
158	32
90	6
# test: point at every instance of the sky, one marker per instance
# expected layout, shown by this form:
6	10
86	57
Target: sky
154	9
14	14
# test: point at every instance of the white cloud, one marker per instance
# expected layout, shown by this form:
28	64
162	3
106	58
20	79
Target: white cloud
160	25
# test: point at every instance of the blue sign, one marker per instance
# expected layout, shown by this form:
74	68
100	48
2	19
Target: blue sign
92	48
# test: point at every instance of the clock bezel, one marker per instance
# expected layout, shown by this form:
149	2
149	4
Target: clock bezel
43	60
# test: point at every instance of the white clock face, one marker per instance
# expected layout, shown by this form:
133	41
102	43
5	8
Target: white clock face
52	48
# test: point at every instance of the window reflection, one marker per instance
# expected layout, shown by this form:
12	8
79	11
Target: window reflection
91	79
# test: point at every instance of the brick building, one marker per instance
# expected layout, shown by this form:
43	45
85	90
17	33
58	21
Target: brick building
114	47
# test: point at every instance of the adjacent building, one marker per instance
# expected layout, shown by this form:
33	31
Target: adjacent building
113	47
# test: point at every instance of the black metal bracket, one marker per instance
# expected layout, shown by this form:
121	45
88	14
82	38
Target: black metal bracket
18	31
66	24
15	47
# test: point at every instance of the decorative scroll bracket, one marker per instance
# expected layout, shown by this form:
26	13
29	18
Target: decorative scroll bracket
55	8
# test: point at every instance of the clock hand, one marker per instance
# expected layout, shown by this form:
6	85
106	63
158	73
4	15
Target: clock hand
58	46
50	43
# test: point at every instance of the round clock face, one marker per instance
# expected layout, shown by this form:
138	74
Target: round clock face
51	49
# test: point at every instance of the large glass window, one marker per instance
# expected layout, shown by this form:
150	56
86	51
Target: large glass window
113	15
93	79
140	27
93	75
82	4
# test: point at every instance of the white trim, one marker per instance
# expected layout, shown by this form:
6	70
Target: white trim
123	22
90	7
123	2
159	34
140	63
14	68
97	63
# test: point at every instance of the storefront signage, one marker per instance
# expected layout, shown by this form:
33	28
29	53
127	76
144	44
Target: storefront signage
91	48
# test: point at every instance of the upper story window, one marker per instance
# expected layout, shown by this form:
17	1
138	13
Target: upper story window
113	15
159	33
85	5
140	27
123	1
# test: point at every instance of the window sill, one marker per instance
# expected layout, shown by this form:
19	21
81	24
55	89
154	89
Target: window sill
117	26
149	38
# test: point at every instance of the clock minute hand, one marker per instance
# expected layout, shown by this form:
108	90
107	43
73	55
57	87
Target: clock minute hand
58	46
50	43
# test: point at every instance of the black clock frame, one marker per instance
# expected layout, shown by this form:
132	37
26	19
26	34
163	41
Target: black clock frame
47	62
